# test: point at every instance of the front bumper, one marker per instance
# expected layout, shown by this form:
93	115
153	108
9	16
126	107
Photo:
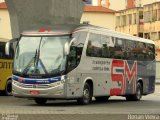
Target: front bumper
54	90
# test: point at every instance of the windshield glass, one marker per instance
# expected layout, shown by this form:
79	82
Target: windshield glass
40	55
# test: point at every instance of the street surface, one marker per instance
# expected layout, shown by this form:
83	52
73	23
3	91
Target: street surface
115	108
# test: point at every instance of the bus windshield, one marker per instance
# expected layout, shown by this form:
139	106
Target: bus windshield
40	55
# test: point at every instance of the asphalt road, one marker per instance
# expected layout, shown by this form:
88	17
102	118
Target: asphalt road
116	108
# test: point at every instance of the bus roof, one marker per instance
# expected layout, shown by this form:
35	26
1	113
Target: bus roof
69	29
115	33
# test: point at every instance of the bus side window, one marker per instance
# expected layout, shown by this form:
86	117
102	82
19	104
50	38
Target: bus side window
111	48
2	50
131	50
151	51
105	40
76	50
119	48
72	57
94	46
141	51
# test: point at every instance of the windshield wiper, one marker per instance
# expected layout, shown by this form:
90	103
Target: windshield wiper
30	63
35	61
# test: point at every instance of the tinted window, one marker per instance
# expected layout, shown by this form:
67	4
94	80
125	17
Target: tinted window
139	51
106	41
2	51
150	52
117	51
94	47
118	48
76	49
131	50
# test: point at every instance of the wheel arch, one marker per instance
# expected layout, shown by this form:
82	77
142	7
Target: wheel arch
89	80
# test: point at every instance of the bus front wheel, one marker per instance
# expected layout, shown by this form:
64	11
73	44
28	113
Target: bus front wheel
8	89
40	101
87	95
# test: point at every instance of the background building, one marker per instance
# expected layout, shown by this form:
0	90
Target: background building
121	4
130	21
152	24
5	28
142	22
1	1
99	16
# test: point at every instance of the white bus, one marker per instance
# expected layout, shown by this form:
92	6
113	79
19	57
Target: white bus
82	62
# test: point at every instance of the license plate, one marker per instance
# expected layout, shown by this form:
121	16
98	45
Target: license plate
34	92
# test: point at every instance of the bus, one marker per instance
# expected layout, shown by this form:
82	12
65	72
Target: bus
5	69
82	62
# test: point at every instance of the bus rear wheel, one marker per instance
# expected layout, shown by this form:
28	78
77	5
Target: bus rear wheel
87	95
8	89
138	95
102	98
40	101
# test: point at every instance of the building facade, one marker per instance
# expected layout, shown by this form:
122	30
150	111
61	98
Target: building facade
99	16
1	1
5	27
121	4
130	21
142	22
152	24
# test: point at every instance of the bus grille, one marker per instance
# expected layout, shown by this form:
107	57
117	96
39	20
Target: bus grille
34	86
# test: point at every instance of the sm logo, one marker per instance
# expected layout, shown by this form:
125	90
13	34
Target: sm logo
124	75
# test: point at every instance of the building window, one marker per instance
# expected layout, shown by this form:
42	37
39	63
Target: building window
154	15
146	35
123	20
118	21
141	21
140	5
153	36
130	19
159	35
158	14
147	16
135	18
140	35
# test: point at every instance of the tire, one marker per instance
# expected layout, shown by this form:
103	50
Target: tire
102	99
40	101
87	95
8	89
138	95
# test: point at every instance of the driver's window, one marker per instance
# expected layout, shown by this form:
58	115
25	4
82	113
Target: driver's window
76	49
72	57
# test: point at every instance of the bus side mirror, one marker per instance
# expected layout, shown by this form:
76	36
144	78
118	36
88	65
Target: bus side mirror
7	48
66	48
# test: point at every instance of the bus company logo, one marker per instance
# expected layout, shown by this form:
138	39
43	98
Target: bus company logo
122	74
